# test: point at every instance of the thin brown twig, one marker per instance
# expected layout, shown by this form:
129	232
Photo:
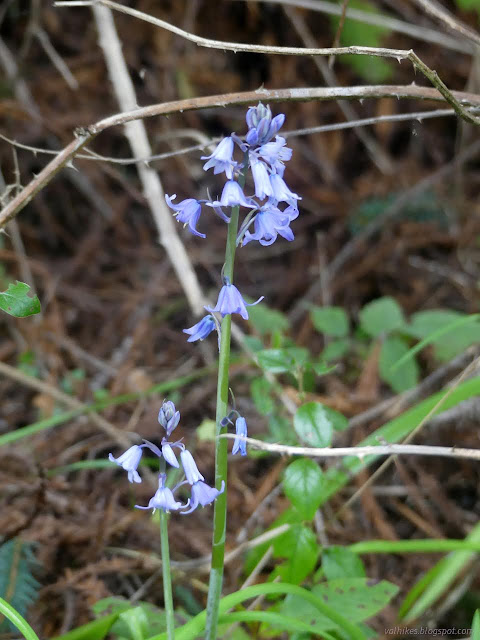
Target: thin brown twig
418	32
360	451
398	54
446	18
338	33
84	136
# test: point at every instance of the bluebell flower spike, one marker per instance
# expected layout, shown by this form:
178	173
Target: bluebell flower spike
203	494
130	461
188	212
163	498
240	430
230	301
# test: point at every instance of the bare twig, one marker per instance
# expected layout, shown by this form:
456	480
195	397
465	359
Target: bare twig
55	58
139	143
85	135
443	16
377	154
398	54
293	133
380	20
338	34
359	452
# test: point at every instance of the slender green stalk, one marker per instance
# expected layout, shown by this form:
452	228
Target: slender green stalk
22	625
167	582
220	509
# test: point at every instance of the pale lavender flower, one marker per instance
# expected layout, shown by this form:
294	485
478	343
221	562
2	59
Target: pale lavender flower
163	498
192	473
240	430
232	196
201	330
168	417
281	192
262	127
168	455
275	153
203	494
221	158
130	461
230	301
268	223
188	211
263	188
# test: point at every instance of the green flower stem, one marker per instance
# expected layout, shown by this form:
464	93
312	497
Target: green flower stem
221	451
167	583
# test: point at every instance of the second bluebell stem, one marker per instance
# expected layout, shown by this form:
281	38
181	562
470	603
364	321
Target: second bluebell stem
221	451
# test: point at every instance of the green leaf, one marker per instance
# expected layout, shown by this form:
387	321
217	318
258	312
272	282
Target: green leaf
302	483
339	562
206	431
381	316
468	5
475	634
17	584
96	630
399	378
314	424
260	389
282	360
16	302
333	321
335	350
352	596
299	545
267	321
16	621
426	323
372	69
438	580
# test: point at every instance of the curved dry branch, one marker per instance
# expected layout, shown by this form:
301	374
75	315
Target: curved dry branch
84	135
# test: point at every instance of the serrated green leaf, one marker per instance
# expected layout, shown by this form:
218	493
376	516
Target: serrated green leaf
302	484
339	562
267	321
260	390
381	316
16	302
333	321
353	597
400	378
299	545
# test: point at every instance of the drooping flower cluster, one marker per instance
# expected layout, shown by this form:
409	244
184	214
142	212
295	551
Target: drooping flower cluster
274	205
270	210
201	493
